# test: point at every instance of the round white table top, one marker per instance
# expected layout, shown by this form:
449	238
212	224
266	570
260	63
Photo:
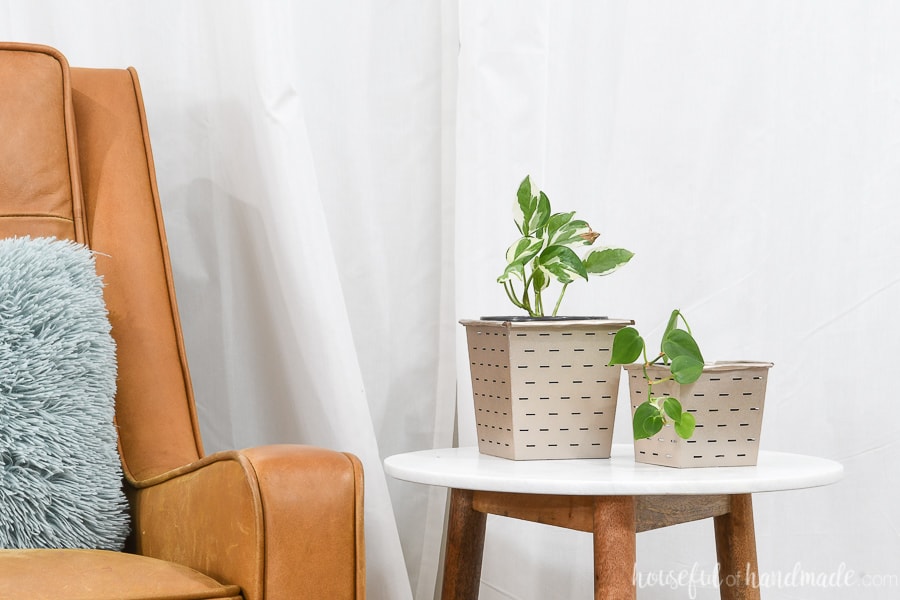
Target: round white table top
466	468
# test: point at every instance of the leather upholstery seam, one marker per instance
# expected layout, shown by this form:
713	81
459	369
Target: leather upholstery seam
36	215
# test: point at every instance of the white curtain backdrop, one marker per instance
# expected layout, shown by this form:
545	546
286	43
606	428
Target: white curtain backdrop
337	181
749	154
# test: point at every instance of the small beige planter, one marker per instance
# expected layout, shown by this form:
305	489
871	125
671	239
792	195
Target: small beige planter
542	388
727	402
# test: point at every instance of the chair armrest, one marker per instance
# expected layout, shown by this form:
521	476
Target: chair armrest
283	521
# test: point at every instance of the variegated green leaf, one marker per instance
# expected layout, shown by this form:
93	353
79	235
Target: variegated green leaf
531	212
562	263
575	231
540	281
607	260
516	270
557	272
526	205
523	250
518	255
542	214
558	221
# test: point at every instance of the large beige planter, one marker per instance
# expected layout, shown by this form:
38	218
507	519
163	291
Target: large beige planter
542	388
727	402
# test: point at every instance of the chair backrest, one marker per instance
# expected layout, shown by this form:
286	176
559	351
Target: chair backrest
40	187
75	162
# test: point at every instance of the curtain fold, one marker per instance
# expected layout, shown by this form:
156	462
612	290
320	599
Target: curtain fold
300	157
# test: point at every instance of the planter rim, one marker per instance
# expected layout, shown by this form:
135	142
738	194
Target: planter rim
719	365
523	321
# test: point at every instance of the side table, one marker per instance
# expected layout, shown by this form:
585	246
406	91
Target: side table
613	499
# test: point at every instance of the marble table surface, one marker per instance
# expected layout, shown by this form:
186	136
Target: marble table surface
619	475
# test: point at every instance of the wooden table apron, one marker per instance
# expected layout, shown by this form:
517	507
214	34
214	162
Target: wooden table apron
613	500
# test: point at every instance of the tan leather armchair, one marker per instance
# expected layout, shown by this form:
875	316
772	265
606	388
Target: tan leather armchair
276	522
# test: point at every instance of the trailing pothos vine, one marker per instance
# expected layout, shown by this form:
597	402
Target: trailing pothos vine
681	354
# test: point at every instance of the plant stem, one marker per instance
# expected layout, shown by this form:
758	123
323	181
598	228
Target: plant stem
538	298
651	383
510	293
661	355
683	320
646	375
526	300
559	300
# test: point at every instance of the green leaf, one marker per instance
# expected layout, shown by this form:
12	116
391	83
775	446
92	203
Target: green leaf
684	427
573	232
540	281
558	221
686	369
679	342
604	262
542	214
526	206
516	270
672	408
531	212
627	346
673	322
558	272
523	250
562	263
647	421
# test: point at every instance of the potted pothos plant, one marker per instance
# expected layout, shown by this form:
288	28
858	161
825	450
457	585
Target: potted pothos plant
546	252
714	409
540	381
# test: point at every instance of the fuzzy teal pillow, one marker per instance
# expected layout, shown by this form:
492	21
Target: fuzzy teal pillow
60	474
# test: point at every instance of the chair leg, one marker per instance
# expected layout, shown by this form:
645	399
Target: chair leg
614	548
465	548
736	551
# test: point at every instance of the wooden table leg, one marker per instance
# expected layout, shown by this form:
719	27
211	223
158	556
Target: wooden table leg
614	548
465	548
736	551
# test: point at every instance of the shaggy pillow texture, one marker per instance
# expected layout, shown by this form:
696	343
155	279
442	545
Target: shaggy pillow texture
60	475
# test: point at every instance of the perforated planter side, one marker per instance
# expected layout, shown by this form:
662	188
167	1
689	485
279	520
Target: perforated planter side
727	402
542	389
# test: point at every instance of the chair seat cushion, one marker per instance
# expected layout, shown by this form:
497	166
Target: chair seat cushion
102	575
